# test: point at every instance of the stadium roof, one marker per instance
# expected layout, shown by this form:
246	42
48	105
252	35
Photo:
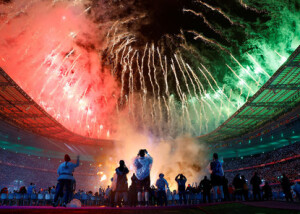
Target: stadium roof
280	94
18	109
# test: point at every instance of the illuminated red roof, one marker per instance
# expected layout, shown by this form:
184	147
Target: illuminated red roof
18	109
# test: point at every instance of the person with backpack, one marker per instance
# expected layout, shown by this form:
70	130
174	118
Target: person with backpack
216	177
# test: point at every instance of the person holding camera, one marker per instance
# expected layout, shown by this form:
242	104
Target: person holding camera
122	185
181	180
143	163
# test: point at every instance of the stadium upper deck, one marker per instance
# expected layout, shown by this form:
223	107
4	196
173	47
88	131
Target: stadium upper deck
278	97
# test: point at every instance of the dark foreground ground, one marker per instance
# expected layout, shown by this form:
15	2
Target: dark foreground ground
273	207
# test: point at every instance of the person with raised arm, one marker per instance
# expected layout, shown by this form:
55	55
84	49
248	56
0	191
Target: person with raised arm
181	180
65	179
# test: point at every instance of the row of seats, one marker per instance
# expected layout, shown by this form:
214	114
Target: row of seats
42	199
87	200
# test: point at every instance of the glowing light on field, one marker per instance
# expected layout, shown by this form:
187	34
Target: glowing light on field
103	178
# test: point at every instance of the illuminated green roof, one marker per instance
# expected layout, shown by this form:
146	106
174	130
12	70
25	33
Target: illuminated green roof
280	94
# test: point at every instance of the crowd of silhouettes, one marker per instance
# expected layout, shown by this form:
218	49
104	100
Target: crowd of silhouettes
213	188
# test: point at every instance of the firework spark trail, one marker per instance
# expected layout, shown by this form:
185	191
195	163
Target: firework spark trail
220	113
199	88
55	71
63	81
206	40
205	69
179	92
158	87
219	11
241	93
244	69
209	82
154	71
173	112
149	71
250	8
205	118
164	69
150	78
252	58
142	74
131	96
18	12
184	77
108	33
202	87
221	101
242	81
204	20
143	87
194	87
228	113
247	96
187	86
188	121
56	67
124	64
168	111
121	47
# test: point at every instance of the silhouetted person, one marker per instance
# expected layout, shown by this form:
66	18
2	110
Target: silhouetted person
267	191
132	193
181	180
245	188
216	176
297	189
31	188
256	182
122	185
161	185
286	187
143	165
205	185
23	190
65	179
225	188
238	186
189	192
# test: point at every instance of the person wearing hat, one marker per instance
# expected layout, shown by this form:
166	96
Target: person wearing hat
143	163
161	185
65	179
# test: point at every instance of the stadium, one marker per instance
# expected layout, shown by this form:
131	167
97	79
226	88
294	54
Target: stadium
167	106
